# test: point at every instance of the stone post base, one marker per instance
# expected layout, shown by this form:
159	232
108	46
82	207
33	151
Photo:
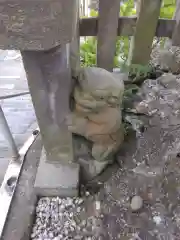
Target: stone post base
56	179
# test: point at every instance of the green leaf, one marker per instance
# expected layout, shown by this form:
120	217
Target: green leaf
88	48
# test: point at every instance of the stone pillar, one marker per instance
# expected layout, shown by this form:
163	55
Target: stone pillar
49	79
50	84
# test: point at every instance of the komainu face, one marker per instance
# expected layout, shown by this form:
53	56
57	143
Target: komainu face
101	85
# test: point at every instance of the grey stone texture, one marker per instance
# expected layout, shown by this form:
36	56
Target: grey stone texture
40	25
56	179
50	84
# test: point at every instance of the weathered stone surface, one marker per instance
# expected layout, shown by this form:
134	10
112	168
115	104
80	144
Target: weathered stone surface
50	84
56	179
40	25
97	114
150	169
167	59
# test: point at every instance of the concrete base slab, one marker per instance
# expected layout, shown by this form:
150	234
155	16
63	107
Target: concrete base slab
54	179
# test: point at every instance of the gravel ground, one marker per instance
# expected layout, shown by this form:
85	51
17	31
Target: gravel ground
58	218
73	218
141	201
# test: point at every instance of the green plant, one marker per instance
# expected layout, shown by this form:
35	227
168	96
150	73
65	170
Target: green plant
127	8
168	9
137	69
88	47
93	13
88	52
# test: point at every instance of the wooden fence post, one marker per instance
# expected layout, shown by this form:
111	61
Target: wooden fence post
107	32
141	42
176	32
75	50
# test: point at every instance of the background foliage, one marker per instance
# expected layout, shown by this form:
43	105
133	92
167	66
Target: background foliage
88	47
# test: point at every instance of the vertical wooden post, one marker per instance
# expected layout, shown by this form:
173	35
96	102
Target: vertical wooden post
107	32
141	42
176	32
75	50
49	79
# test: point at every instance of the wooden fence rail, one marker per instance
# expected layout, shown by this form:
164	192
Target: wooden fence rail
141	28
126	27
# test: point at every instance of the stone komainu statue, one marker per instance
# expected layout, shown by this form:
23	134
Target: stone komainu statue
97	114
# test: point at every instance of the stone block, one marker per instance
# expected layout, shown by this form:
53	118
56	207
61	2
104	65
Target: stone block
39	25
56	179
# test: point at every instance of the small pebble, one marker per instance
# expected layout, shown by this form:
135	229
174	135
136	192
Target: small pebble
78	237
78	228
33	235
51	235
57	238
78	209
157	219
80	201
66	232
62	207
69	202
71	214
83	223
136	203
87	193
97	205
60	236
